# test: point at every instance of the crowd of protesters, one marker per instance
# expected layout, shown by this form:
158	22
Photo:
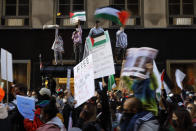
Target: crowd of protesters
136	109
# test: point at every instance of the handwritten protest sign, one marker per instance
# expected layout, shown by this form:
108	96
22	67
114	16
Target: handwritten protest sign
179	77
100	48
136	61
84	86
6	65
26	106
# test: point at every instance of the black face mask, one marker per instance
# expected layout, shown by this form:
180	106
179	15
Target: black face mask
128	115
174	123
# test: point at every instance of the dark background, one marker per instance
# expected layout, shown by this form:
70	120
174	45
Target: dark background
27	44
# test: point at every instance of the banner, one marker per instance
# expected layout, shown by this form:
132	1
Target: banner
84	85
26	106
6	65
100	48
136	61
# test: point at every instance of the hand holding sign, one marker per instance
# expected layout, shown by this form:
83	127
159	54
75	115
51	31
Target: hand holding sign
179	78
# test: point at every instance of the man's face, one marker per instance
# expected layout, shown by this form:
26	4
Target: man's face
126	107
97	25
16	91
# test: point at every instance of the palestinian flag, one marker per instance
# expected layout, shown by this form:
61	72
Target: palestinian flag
108	13
111	82
98	40
162	75
74	17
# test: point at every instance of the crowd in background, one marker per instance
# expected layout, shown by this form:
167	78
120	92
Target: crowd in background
135	108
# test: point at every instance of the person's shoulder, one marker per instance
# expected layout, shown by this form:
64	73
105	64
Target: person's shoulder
48	127
152	125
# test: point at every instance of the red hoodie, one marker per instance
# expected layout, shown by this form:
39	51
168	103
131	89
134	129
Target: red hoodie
36	123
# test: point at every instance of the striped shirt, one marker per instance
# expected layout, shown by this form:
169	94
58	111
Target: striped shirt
121	39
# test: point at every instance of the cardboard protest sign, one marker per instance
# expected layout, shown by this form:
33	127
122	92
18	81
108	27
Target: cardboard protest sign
136	61
84	86
26	106
6	65
100	48
179	77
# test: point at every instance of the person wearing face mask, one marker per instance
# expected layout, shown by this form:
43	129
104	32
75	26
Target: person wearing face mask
181	121
135	118
77	40
192	110
50	118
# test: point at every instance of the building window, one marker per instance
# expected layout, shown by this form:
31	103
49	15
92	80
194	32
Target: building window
131	5
17	10
64	7
181	9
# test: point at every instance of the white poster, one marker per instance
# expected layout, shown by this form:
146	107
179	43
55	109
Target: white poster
84	86
136	60
179	77
100	48
6	65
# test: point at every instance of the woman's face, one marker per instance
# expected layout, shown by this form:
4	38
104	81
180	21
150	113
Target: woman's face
174	120
190	109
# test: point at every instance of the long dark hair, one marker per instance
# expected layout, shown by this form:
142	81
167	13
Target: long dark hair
184	119
50	110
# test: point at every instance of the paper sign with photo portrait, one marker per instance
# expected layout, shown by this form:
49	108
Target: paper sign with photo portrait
136	60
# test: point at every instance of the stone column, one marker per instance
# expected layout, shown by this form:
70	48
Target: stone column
91	6
155	14
42	12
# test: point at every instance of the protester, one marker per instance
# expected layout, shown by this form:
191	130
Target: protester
77	43
135	118
121	44
97	30
48	116
144	89
192	110
87	119
58	48
15	118
181	120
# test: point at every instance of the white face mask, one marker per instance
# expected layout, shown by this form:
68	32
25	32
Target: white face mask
64	100
77	29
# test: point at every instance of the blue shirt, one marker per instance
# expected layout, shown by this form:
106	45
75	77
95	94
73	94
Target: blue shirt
121	39
95	31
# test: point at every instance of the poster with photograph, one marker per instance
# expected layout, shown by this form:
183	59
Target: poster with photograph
136	60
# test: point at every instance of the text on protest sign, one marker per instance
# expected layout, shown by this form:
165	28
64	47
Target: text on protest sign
6	65
84	86
100	48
